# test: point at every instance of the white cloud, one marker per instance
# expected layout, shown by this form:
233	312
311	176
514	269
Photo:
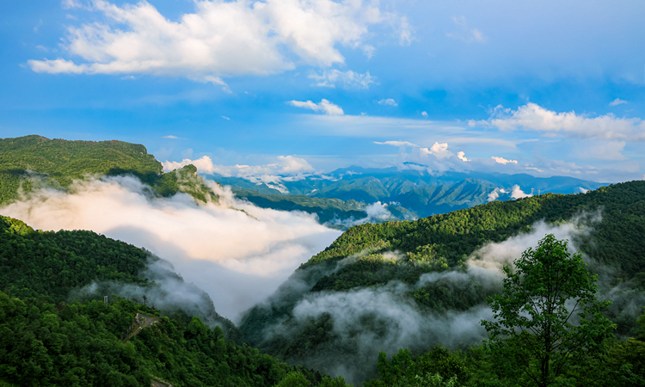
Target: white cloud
438	149
617	102
465	33
517	193
534	117
424	114
344	79
170	137
235	251
378	211
503	161
324	106
271	174
218	39
388	102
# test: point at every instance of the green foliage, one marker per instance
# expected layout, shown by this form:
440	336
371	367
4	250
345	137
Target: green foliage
437	367
534	314
44	340
329	210
30	162
51	264
409	193
361	258
449	239
82	344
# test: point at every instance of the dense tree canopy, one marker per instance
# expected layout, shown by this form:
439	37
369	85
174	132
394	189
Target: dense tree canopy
31	162
547	312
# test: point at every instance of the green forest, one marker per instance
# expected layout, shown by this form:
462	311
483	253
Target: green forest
49	339
347	311
32	162
360	262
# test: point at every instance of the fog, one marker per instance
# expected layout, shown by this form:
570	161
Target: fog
365	321
236	252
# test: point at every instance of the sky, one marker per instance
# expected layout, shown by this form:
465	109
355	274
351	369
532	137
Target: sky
292	86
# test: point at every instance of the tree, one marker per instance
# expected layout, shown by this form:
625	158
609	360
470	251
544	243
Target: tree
547	316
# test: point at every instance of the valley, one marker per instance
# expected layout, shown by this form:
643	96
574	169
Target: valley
341	308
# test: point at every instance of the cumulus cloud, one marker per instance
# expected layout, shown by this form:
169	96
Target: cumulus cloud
271	174
502	160
534	117
218	39
324	106
517	193
388	102
343	79
438	156
235	251
461	155
494	195
438	149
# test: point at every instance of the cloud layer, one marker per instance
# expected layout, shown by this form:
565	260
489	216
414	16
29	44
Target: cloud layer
271	174
536	118
235	251
219	39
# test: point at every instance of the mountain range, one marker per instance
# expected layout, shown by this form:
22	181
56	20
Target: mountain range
350	195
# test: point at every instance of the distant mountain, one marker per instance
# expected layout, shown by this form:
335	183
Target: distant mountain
409	192
30	162
415	284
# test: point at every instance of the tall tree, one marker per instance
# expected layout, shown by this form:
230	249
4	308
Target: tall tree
547	316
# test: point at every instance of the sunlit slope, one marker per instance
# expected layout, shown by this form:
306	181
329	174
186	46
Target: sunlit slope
376	278
32	162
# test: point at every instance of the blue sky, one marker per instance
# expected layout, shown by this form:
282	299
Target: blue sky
548	87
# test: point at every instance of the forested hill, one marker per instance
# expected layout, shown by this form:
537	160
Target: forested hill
413	283
57	330
30	162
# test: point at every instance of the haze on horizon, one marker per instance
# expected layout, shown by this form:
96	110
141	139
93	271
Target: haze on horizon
291	87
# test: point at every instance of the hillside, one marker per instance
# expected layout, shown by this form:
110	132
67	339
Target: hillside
57	331
415	284
409	192
32	162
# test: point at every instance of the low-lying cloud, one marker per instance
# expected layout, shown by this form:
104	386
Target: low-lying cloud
365	321
236	252
272	174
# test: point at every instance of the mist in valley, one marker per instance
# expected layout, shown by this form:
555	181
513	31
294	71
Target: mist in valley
236	252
